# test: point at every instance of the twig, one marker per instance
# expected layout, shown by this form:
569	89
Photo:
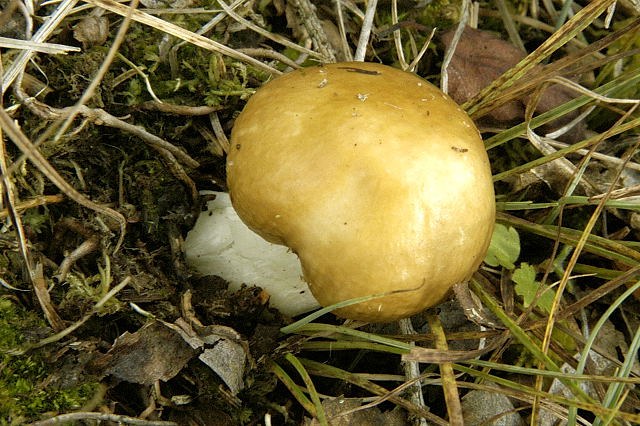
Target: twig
100	116
178	171
11	210
178	109
42	293
365	31
169	152
86	247
8	195
117	418
307	12
221	138
269	53
275	37
51	48
346	51
97	78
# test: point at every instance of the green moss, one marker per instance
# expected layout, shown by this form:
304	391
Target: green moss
27	390
440	13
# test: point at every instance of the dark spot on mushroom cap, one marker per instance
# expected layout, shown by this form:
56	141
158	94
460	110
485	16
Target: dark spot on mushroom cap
360	70
458	149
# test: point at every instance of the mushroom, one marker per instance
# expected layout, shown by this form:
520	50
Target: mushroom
377	180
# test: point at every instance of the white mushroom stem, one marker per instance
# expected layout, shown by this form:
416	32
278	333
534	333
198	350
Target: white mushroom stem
221	244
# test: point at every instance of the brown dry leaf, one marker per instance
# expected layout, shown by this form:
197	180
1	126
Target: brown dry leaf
152	353
223	350
479	59
225	354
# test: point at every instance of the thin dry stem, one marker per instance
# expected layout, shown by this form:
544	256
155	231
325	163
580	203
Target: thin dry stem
41	200
41	290
100	417
50	48
346	50
365	31
448	56
449	386
271	36
48	27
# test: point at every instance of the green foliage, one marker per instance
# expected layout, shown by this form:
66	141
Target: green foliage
504	248
440	13
26	391
36	221
527	287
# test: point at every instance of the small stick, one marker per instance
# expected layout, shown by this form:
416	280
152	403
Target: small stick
365	31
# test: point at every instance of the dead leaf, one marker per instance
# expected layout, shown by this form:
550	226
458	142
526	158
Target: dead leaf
152	353
479	59
226	357
223	351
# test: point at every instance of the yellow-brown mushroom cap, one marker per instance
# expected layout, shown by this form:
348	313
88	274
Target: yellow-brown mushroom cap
376	179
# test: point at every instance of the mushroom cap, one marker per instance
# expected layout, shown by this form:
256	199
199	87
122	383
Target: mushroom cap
377	180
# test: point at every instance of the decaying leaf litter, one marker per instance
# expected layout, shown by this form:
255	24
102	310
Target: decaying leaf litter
106	147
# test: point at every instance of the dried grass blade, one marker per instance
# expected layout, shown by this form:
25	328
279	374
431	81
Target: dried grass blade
449	386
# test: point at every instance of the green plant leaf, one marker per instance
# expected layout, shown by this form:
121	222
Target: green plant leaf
504	248
527	287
